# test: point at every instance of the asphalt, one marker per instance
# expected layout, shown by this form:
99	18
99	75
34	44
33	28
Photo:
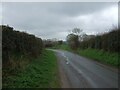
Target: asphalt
80	72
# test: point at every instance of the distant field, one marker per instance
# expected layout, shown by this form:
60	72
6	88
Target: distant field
63	46
41	73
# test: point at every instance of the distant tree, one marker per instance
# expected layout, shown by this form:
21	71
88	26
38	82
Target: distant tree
77	31
72	40
74	37
60	42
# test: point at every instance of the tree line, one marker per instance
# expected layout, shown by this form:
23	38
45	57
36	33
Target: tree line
108	41
19	43
48	43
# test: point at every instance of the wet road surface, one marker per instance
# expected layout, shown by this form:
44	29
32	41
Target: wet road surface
79	72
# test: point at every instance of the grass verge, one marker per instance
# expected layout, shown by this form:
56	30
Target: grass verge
40	73
101	56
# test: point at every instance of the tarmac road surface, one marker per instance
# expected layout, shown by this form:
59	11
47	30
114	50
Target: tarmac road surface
80	72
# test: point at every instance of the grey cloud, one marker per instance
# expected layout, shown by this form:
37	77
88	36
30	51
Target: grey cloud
79	8
50	20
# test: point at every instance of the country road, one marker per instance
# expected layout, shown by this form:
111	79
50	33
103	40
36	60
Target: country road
79	72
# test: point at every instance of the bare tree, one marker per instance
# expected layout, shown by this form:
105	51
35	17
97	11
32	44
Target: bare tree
77	31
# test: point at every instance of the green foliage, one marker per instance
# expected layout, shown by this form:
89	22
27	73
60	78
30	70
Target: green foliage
108	42
15	42
102	56
40	73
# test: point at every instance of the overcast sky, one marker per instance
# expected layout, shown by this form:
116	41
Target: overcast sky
54	20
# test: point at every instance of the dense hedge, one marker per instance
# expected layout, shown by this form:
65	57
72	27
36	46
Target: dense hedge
108	42
15	42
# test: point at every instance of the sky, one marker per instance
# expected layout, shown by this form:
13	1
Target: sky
49	20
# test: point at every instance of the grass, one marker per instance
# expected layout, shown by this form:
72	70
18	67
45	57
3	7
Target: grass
101	56
62	46
40	73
